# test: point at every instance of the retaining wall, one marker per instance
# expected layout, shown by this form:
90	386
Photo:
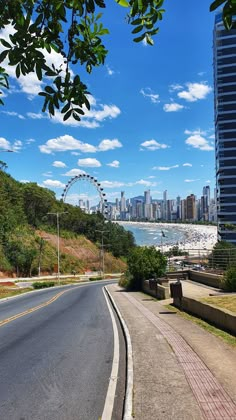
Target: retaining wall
221	318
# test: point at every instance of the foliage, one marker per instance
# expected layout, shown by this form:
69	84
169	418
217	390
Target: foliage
25	207
228	11
43	284
145	263
229	280
175	251
95	278
69	29
223	255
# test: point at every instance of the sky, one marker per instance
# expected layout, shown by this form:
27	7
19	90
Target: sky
151	123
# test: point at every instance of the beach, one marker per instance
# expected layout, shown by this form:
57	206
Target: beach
194	236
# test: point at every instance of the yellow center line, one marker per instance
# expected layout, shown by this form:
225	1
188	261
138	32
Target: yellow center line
35	308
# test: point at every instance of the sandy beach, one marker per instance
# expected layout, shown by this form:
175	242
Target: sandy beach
196	237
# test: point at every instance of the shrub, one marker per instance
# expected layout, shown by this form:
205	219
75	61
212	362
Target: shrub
229	280
43	284
95	278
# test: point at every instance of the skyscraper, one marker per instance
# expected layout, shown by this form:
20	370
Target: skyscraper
225	128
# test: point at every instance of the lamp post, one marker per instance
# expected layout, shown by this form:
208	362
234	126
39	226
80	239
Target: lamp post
57	214
102	251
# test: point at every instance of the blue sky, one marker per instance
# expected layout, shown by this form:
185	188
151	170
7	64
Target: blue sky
151	124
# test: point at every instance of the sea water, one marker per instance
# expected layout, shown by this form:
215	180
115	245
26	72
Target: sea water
147	234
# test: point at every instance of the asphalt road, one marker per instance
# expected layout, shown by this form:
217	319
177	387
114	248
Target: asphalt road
55	362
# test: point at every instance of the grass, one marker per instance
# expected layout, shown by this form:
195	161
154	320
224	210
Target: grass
228	338
225	302
7	292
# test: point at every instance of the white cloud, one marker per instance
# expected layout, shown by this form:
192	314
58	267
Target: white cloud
17	146
53	183
75	172
114	164
152	145
13	114
112	184
4	144
212	137
67	142
145	183
164	168
174	87
107	144
29	141
110	72
24	181
36	116
147	93
187	164
191	180
199	142
89	163
172	107
195	92
47	174
75	153
59	164
208	181
92	117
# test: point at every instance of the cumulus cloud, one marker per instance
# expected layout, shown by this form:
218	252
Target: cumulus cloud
187	164
53	183
75	172
145	183
5	145
67	143
107	144
197	141
152	145
148	93
59	164
172	107
195	92
114	164
89	163
191	180
164	168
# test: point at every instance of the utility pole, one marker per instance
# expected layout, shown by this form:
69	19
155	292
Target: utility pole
102	251
57	214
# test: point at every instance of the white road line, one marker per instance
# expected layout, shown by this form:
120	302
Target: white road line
128	409
110	397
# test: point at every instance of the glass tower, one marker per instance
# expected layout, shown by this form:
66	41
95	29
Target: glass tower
224	46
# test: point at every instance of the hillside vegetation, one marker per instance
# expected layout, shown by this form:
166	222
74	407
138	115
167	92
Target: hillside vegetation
28	234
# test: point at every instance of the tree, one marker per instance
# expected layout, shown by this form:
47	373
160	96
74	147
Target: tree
223	255
144	263
73	30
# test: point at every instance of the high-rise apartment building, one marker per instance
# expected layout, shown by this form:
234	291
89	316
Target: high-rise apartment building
225	128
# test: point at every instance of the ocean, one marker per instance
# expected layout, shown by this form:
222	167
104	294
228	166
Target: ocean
147	234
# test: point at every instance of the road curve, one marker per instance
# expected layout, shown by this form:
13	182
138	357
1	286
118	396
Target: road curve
56	361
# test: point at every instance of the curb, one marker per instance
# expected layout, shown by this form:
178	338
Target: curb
129	360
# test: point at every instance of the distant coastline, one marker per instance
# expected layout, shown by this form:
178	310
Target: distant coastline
188	236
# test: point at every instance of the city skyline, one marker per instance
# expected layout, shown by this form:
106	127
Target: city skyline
151	123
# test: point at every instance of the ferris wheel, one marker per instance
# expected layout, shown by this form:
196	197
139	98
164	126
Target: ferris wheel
88	194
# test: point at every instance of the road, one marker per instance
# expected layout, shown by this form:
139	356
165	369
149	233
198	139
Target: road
56	360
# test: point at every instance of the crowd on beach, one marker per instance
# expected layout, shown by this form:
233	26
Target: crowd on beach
194	236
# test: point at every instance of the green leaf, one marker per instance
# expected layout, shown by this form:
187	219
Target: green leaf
49	89
5	43
3	55
137	29
122	3
216	4
140	38
65	108
67	115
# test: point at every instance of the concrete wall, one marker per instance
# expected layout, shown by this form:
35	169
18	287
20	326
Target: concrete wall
160	292
209	279
221	318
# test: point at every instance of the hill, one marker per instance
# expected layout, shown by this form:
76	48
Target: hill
28	233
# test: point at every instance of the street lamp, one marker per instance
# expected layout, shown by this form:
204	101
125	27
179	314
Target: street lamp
57	214
102	251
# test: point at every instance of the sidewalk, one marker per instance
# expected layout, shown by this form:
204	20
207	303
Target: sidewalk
181	371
